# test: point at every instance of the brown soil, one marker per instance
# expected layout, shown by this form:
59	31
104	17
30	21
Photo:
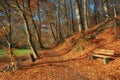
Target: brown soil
68	62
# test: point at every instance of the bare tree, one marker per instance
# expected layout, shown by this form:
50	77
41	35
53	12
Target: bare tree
58	21
72	16
105	9
38	32
39	17
67	17
22	13
96	10
7	28
85	15
114	7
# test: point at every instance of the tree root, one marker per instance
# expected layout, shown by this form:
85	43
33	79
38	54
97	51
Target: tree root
11	67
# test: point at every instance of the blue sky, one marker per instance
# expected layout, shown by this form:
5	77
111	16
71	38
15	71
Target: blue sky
92	7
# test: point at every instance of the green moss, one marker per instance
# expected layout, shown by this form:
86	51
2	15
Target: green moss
18	52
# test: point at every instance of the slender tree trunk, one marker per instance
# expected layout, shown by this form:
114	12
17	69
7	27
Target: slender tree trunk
72	16
95	11
39	17
8	36
56	24
34	52
11	53
59	22
88	13
29	37
67	17
70	21
114	7
105	8
77	9
52	32
85	15
35	26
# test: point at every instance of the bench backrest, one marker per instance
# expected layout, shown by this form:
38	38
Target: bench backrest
104	52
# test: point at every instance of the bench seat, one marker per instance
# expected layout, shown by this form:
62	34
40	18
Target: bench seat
106	55
104	52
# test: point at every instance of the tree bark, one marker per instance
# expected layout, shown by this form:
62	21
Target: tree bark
67	18
85	15
8	36
39	17
105	8
59	23
29	37
78	15
114	7
52	31
95	11
72	16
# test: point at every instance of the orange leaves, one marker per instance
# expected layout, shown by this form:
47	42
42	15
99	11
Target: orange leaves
2	32
33	4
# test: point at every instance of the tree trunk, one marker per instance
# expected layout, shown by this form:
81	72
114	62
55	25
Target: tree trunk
8	37
105	8
56	24
72	16
95	11
52	32
13	59
29	37
59	23
78	15
85	15
39	17
114	7
67	18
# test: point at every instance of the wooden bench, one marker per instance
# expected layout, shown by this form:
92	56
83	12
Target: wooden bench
104	54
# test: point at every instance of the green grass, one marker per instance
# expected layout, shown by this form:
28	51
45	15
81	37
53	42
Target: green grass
3	53
18	52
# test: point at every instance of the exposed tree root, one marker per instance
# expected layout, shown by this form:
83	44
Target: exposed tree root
12	67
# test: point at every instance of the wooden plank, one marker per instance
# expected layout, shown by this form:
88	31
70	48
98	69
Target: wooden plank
106	55
109	51
106	59
101	56
103	51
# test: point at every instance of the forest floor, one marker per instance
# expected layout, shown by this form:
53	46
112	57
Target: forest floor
71	62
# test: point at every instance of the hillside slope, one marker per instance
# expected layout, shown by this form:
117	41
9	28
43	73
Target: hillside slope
70	60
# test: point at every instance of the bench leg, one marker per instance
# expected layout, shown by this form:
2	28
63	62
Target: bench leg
93	57
105	60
